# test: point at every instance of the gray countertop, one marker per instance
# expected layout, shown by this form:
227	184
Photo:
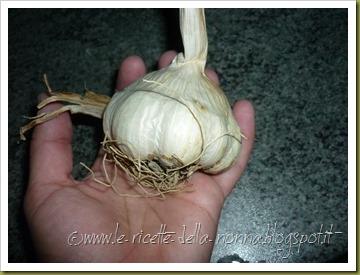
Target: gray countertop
292	65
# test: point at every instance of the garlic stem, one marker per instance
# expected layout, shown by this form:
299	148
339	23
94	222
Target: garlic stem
193	32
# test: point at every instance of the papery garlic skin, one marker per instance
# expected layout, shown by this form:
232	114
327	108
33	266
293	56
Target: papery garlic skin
177	113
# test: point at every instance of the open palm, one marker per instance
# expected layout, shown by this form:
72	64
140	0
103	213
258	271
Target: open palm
61	211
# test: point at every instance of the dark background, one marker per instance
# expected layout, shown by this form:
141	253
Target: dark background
291	63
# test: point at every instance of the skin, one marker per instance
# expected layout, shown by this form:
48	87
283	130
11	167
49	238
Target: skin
56	205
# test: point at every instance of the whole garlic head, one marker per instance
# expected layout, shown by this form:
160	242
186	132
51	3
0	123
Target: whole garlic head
176	113
177	116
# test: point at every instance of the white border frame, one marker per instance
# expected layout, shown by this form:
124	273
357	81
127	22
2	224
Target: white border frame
350	266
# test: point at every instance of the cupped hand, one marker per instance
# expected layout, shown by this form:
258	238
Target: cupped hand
84	221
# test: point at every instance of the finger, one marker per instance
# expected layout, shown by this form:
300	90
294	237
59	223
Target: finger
166	58
50	149
131	69
245	116
212	75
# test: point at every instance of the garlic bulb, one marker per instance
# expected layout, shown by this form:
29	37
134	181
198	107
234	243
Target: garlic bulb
176	117
166	125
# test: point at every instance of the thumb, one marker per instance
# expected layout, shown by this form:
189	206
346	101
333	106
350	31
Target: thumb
51	150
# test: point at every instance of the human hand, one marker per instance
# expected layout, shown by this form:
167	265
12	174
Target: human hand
56	205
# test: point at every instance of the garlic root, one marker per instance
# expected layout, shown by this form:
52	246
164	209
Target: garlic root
149	173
